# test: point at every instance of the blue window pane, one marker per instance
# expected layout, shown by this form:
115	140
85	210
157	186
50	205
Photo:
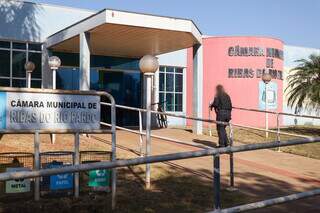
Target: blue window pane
36	84
5	63
36	47
169	102
4	44
161	98
94	79
68	79
170	69
18	83
18	62
178	103
17	45
36	59
169	82
161	68
4	82
161	81
179	83
179	70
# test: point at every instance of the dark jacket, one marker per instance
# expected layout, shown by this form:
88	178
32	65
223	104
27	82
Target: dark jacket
222	104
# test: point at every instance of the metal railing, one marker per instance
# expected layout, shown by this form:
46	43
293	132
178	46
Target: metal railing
217	162
278	115
205	151
214	152
76	132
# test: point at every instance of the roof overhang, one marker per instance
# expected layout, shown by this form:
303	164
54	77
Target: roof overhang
126	34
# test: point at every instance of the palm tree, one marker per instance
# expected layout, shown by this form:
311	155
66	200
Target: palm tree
303	88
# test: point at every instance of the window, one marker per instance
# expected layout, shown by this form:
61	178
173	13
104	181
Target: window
171	88
13	56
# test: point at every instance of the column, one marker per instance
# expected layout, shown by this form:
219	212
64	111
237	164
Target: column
197	87
84	75
46	71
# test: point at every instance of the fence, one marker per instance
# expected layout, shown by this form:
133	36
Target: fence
278	115
207	151
214	152
217	205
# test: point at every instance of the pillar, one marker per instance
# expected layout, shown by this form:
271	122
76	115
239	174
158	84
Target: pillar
46	71
197	87
84	75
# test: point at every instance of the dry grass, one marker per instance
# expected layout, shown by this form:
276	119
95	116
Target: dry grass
246	136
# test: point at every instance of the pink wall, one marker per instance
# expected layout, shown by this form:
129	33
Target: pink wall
244	91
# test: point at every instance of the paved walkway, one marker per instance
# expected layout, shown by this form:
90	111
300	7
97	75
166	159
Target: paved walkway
260	174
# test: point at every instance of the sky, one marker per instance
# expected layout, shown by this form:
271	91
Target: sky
296	22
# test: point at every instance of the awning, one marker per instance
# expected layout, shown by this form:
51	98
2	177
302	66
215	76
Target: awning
126	34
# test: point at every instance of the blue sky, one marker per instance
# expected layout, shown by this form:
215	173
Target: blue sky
296	22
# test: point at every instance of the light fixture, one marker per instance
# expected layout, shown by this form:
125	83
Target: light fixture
148	64
54	62
29	66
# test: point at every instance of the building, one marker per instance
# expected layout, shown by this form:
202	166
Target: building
101	51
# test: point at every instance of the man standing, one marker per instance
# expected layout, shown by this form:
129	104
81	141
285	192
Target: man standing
222	106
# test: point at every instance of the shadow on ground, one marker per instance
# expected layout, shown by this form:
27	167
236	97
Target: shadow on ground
173	190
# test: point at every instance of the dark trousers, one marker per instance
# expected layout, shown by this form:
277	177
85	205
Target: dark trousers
225	116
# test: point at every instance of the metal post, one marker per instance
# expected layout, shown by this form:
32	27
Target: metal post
231	188
140	136
76	161
210	124
266	107
28	79
114	153
54	86
278	130
148	127
37	165
216	182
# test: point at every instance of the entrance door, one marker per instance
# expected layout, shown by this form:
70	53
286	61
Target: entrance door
125	87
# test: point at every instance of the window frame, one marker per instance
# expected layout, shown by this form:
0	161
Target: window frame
164	92
26	51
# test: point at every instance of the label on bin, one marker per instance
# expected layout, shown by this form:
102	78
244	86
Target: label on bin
19	185
99	178
60	181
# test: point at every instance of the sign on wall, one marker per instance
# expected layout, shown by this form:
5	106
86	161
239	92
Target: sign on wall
271	93
19	185
250	72
49	111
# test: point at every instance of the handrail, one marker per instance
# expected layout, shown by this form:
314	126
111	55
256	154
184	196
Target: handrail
206	120
280	113
154	159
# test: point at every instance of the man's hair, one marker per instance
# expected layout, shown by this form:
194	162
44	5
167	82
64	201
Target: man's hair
219	89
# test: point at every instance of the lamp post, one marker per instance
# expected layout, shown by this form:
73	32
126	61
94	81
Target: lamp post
29	67
54	64
148	65
266	78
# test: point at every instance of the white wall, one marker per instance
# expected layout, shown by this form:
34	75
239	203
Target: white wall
291	54
179	59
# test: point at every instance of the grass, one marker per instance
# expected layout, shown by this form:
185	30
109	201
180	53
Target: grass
247	136
171	192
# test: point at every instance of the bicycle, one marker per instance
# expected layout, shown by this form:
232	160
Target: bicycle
161	118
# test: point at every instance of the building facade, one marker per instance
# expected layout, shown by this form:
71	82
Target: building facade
101	51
